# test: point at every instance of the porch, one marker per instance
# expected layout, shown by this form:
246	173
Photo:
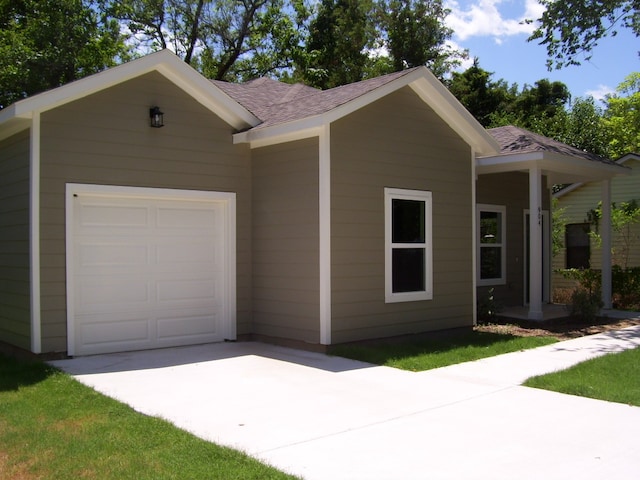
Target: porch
550	311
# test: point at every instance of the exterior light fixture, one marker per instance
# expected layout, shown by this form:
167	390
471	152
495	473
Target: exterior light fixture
156	117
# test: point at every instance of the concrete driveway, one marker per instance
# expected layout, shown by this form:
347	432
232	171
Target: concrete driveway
324	417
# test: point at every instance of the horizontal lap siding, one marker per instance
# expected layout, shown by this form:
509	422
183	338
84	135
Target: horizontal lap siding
106	139
285	241
15	310
578	202
397	142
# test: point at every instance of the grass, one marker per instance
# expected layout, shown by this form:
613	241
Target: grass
614	377
53	427
425	354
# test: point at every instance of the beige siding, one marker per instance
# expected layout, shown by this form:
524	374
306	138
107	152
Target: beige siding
512	191
15	323
397	142
578	202
106	139
285	241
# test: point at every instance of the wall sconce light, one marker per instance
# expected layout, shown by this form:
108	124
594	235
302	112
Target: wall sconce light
156	117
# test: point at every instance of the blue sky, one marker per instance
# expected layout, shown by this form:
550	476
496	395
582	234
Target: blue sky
492	31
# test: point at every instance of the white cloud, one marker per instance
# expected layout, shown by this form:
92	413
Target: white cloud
600	92
486	18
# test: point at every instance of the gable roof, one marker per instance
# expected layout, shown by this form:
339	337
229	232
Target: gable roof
16	117
521	149
290	112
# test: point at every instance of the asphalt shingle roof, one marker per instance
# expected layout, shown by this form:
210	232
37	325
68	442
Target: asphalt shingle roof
514	140
275	102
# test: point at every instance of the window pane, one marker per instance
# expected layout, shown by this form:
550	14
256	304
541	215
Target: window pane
577	244
490	227
408	270
407	221
490	262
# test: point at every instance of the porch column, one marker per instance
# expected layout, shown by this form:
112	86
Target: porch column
535	244
605	229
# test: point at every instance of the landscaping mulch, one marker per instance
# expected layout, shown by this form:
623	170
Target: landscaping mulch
562	328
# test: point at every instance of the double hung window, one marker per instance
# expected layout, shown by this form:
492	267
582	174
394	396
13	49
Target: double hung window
408	252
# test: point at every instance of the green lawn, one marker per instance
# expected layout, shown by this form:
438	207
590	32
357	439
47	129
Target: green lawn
53	427
440	351
614	377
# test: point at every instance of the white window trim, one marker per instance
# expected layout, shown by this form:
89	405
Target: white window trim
503	245
418	195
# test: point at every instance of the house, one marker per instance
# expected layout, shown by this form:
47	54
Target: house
576	200
262	210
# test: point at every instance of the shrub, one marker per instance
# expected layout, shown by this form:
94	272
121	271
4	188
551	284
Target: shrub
585	304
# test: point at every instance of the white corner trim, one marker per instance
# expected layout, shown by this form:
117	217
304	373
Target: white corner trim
34	233
474	240
324	210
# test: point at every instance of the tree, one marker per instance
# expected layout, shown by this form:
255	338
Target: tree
46	44
414	34
479	94
225	39
336	52
569	28
621	120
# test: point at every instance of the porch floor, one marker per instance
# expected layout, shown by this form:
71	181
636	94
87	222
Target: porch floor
550	311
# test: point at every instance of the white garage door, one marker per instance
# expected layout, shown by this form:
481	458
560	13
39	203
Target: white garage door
148	268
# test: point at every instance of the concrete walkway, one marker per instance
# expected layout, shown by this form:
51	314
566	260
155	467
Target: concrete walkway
324	417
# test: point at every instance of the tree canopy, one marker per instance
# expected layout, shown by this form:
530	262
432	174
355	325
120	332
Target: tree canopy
46	44
571	28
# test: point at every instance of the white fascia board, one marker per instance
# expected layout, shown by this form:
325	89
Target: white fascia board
286	132
165	62
580	168
421	80
445	104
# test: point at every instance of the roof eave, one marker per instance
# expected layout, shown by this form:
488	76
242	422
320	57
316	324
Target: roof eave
555	165
421	80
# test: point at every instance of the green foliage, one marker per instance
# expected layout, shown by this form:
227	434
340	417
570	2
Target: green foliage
571	28
53	427
336	48
614	377
414	33
621	120
586	300
558	223
427	353
626	287
585	304
480	95
624	216
46	44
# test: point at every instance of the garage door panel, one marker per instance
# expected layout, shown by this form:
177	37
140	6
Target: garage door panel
187	327
110	215
192	252
112	255
116	293
98	330
196	217
148	272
